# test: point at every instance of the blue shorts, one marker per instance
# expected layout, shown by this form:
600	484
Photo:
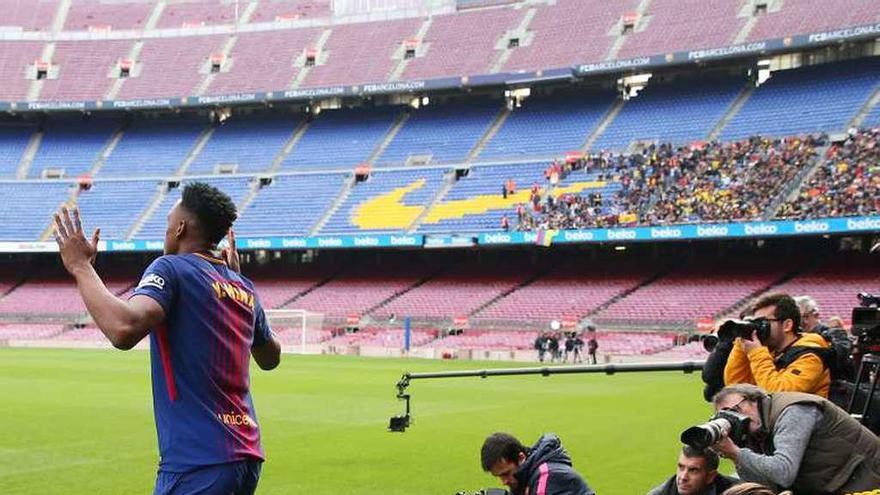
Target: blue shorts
236	478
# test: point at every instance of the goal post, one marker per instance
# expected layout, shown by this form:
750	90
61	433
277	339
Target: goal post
294	326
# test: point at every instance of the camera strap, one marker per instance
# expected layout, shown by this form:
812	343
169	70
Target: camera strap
794	352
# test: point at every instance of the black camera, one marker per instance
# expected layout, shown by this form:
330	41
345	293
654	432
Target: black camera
731	329
866	322
724	424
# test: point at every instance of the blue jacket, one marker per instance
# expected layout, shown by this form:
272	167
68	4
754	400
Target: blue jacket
547	471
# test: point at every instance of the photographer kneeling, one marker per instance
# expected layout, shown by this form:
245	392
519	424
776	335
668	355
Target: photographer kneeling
796	441
544	469
778	357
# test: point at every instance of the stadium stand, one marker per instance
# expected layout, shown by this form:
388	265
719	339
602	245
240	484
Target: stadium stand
15	59
14	139
28	331
156	147
848	183
390	201
585	25
199	13
341	138
27	217
263	61
72	145
834	283
351	60
671	113
457	292
547	126
800	17
357	290
285	10
111	205
29	15
475	203
171	67
250	144
804	93
674	25
446	132
565	292
105	16
54	294
458	45
291	205
689	293
81	65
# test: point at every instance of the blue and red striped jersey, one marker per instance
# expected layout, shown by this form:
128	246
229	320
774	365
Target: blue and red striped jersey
200	359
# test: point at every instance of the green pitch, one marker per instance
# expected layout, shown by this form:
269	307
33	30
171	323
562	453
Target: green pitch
81	422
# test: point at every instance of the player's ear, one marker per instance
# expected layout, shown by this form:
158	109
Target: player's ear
181	229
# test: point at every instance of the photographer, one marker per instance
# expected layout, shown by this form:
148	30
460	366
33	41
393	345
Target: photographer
697	475
544	469
779	358
799	441
837	339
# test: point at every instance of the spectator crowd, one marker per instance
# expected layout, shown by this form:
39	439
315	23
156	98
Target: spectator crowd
667	185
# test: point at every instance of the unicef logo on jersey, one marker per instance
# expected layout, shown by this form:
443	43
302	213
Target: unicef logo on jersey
152	280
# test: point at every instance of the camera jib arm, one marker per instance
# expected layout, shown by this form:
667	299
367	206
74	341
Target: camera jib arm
400	423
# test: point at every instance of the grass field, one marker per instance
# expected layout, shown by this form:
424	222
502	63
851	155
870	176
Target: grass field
81	422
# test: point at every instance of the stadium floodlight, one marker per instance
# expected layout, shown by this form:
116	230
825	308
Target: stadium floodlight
401	423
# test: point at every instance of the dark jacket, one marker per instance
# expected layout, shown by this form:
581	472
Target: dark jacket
842	456
547	471
720	484
713	370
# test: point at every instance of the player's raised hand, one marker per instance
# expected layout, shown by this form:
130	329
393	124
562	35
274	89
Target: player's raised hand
76	251
230	253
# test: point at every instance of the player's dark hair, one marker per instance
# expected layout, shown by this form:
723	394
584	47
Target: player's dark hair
214	210
500	446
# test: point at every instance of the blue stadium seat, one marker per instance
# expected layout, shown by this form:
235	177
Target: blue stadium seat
153	148
808	99
249	143
447	131
678	114
341	138
290	206
114	206
14	139
548	126
26	207
73	145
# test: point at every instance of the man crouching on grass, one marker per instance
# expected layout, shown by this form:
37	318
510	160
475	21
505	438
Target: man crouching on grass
205	321
543	469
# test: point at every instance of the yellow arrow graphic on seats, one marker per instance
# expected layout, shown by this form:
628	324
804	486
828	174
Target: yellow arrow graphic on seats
387	211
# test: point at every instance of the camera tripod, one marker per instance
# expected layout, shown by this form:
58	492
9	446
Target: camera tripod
870	364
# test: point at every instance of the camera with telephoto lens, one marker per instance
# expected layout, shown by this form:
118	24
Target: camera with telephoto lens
731	329
725	423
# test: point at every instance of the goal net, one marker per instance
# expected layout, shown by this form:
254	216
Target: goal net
296	329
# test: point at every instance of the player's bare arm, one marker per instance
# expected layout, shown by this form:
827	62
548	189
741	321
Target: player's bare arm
124	323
